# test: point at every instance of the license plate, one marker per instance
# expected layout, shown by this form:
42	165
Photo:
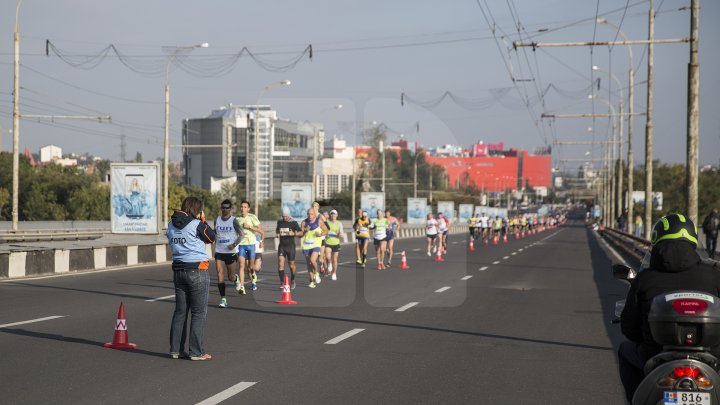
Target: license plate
686	398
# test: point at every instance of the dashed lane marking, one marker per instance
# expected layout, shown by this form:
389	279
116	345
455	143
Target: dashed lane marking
406	307
513	253
506	257
416	250
466	278
483	268
443	289
496	262
344	336
520	250
228	393
161	298
47	318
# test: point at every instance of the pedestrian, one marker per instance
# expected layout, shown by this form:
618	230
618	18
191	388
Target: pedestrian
251	227
287	229
392	232
312	228
332	243
228	232
380	225
442	232
638	226
187	234
362	235
710	226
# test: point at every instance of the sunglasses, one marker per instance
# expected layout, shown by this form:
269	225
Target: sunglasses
225	208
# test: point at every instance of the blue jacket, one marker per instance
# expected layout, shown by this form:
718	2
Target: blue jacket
187	237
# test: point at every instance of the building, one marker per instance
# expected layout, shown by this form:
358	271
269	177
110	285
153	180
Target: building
336	171
50	152
221	149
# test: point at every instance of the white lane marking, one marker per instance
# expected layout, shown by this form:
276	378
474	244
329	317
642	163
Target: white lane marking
513	253
344	336
614	252
407	306
439	290
161	298
416	250
506	257
466	278
520	250
47	318
343	263
302	272
223	395
496	262
455	243
483	268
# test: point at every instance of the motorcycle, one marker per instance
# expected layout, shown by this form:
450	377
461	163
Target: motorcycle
687	324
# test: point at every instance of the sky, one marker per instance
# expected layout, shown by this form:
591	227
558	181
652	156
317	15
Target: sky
365	55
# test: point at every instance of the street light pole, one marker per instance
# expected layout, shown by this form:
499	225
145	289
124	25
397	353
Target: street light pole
257	140
16	121
166	147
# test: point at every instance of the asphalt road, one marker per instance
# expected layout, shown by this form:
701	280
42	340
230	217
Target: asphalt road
526	322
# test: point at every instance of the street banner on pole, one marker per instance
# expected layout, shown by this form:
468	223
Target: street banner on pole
134	197
371	202
416	210
297	197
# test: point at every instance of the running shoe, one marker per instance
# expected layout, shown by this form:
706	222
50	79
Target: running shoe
253	286
293	285
242	290
202	357
329	269
176	355
379	266
334	277
428	253
311	285
358	261
253	277
434	249
237	283
318	280
223	303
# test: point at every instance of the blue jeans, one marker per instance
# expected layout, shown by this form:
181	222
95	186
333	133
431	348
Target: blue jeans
192	287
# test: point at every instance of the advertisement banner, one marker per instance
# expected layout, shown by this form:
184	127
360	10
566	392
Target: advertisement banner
447	208
371	202
480	210
297	197
657	199
134	197
416	210
465	211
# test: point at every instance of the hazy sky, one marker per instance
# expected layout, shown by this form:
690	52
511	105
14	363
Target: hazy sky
365	54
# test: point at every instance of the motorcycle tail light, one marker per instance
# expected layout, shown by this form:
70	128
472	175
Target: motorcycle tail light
670	381
692	372
667	382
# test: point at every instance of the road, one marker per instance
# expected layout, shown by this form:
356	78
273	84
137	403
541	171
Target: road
517	323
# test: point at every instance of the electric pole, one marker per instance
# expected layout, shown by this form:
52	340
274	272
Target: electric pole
693	112
649	125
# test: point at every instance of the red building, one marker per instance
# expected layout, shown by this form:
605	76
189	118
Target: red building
496	174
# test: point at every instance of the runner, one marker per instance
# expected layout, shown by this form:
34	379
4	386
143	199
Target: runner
442	232
251	227
497	228
312	228
393	231
324	261
362	234
380	226
228	232
332	243
432	232
485	227
259	249
286	230
471	226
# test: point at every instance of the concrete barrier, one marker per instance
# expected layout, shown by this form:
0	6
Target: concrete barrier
36	261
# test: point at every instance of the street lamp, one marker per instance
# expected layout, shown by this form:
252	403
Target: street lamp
257	140
166	155
16	121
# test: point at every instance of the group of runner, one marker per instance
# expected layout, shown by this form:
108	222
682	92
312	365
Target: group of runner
497	228
384	228
436	230
240	244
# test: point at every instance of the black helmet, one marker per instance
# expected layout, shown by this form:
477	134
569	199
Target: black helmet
674	227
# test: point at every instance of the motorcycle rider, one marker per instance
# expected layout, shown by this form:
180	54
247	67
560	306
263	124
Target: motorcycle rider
674	265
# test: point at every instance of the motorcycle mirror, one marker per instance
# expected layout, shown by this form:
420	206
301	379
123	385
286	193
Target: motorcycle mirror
623	272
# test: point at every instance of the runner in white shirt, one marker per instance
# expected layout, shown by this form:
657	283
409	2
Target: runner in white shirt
442	228
431	231
485	226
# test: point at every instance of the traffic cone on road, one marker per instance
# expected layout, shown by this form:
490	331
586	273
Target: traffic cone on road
120	337
505	238
472	245
403	262
438	256
495	239
286	295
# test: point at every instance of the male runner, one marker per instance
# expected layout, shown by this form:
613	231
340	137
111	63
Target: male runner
228	232
286	230
251	227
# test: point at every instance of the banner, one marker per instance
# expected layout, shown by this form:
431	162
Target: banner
134	197
371	202
447	208
416	210
465	211
297	197
657	199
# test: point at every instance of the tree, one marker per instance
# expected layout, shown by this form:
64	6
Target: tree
90	202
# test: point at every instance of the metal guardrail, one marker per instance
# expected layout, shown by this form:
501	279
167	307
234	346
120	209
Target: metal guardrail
41	235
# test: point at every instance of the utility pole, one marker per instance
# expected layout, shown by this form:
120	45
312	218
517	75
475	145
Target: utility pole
693	112
649	125
631	81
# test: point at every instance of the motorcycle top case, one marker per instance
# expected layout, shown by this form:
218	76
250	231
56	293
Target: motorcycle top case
685	318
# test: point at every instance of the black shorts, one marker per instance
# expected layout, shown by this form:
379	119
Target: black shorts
287	251
228	258
334	248
376	242
431	237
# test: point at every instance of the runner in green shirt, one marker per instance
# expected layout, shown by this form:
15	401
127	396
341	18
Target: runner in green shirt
380	227
332	244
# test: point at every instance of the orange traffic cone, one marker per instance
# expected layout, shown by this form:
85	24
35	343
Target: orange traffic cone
286	296
403	262
505	238
120	337
495	239
438	257
472	245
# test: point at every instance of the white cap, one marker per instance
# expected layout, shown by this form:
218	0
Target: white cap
333	212
286	211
